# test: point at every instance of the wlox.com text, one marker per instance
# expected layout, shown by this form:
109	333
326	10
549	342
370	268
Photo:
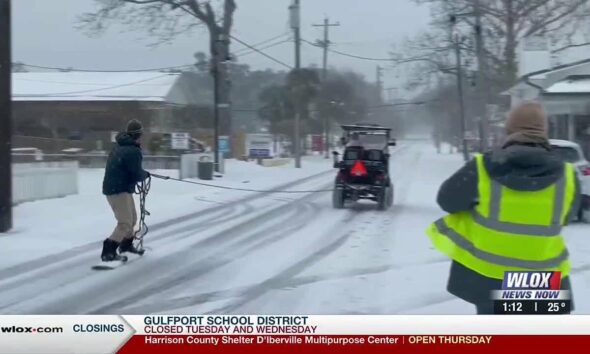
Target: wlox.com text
20	329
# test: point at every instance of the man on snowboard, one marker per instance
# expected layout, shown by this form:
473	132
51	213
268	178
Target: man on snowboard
122	173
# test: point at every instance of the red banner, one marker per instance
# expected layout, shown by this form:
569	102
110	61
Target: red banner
441	344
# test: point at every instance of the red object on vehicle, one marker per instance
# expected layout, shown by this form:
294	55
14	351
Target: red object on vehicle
358	169
586	170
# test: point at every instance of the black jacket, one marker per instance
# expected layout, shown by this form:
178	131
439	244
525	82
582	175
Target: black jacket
123	169
522	167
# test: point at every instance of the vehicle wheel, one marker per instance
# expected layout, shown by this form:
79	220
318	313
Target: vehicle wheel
584	215
390	195
382	199
338	198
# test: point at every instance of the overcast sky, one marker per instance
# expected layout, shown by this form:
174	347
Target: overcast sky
44	34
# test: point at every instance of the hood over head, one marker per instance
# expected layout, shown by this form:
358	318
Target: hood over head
527	124
525	167
125	139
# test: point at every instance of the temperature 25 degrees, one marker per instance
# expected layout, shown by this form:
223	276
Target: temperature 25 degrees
557	306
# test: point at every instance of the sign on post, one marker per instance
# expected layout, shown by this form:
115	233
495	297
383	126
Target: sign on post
260	145
179	141
317	143
224	148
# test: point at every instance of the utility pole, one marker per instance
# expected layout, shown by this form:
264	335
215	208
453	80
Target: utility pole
379	84
457	39
218	60
296	26
326	44
5	119
483	87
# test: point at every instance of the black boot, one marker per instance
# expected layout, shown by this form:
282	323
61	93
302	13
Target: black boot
109	251
127	246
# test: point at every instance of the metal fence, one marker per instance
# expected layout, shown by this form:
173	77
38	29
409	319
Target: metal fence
150	162
43	176
43	180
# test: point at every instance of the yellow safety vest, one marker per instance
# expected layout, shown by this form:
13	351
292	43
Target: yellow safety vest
509	230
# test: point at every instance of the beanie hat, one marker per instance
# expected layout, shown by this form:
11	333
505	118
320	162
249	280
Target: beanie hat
527	123
134	128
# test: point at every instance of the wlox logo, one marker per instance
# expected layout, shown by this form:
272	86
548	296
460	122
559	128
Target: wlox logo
532	280
20	329
531	286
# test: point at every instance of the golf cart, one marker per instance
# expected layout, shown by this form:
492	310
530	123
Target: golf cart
364	166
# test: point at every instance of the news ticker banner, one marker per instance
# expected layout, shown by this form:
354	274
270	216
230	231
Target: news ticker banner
318	334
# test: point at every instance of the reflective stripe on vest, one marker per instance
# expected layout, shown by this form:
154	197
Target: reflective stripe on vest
497	259
509	229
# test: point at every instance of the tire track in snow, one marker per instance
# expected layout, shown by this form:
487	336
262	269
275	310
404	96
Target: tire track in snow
290	283
228	252
85	257
45	261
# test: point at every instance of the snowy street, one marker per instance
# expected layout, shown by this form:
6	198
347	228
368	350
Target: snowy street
225	252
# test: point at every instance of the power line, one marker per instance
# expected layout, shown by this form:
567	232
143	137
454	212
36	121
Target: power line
262	43
248	50
104	71
416	103
348	54
261	52
263	48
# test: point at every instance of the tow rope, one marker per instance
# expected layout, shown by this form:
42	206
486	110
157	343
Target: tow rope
240	189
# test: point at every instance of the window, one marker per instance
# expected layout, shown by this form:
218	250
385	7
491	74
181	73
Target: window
352	154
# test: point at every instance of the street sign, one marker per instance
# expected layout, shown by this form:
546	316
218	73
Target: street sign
260	145
179	141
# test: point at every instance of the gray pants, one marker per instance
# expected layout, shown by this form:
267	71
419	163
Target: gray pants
124	209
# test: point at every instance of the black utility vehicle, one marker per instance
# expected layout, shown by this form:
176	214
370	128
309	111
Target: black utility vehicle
364	166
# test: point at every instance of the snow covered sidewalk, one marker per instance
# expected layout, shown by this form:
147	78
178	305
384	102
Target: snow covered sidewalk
55	225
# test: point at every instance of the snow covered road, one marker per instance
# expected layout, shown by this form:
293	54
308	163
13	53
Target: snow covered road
274	253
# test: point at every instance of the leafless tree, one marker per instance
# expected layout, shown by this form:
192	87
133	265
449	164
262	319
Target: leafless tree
165	19
505	24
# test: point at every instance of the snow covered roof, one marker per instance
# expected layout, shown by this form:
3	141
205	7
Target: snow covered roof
94	86
574	84
543	74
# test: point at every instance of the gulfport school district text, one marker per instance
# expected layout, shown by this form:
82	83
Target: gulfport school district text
228	325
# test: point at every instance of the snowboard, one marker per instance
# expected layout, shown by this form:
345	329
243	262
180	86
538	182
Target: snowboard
127	258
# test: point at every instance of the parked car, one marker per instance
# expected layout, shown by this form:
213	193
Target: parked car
571	152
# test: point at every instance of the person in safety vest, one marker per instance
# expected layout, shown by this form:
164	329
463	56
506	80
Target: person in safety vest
506	211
